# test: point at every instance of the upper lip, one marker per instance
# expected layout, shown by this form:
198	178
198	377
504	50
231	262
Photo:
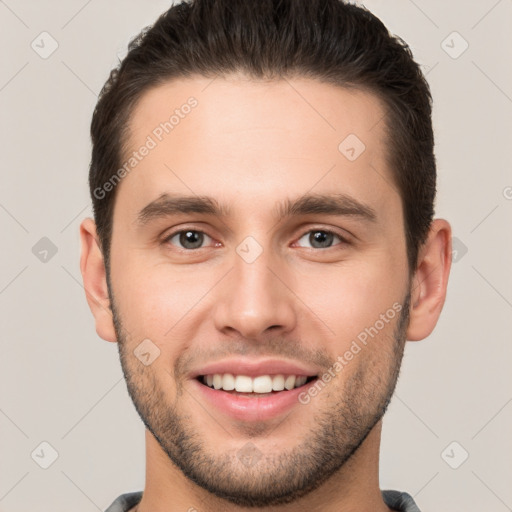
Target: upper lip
253	368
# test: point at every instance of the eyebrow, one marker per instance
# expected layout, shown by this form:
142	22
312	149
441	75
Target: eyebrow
167	205
327	204
309	204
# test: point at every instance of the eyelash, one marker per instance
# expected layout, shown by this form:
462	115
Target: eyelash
343	240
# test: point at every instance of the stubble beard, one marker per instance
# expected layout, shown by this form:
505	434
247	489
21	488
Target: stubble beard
276	478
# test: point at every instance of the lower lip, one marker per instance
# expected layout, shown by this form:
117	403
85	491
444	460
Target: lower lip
250	408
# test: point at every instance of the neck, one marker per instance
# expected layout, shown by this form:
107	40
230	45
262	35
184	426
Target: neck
354	487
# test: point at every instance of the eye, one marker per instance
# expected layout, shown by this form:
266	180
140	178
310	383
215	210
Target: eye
188	239
320	239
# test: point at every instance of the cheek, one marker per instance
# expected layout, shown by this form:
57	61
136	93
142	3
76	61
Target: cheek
152	299
352	296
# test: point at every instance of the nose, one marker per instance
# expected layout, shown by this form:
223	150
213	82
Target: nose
255	300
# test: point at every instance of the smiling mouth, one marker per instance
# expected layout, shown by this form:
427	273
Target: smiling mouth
255	387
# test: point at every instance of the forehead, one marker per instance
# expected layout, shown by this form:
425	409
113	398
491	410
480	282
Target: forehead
222	107
237	138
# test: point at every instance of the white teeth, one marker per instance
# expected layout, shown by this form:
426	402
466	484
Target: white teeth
217	381
289	383
278	383
260	384
228	382
243	384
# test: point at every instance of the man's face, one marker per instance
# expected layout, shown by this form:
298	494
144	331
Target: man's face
287	256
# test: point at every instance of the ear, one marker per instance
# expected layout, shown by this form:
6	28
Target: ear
430	281
93	271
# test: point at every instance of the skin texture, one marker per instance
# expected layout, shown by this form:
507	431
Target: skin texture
251	145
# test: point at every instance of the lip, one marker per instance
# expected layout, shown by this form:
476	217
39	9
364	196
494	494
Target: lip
247	408
252	368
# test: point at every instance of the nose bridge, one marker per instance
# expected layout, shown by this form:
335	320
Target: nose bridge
254	300
254	284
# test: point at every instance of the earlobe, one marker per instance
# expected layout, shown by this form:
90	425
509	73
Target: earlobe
92	267
430	281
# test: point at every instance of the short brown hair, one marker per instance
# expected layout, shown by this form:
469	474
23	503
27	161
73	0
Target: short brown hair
328	40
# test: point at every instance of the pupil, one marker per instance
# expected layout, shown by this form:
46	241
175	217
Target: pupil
321	239
191	239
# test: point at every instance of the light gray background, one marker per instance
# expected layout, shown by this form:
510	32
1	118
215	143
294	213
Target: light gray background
62	384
